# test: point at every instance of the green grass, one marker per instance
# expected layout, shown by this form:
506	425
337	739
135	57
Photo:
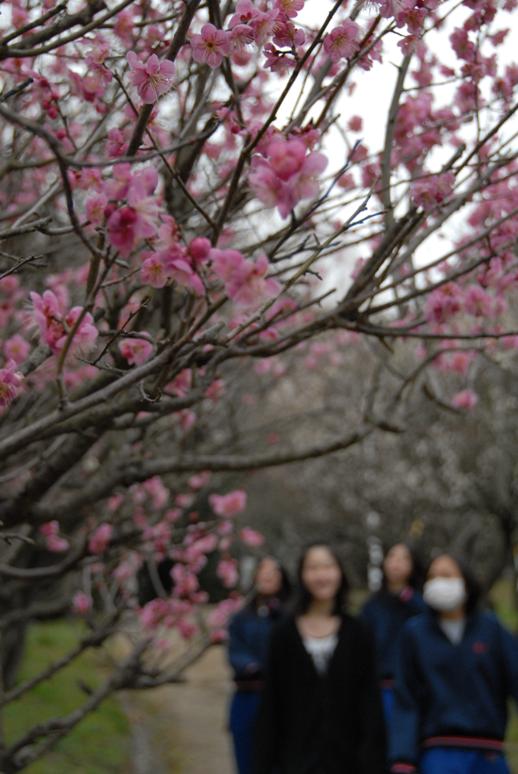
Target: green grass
502	598
99	744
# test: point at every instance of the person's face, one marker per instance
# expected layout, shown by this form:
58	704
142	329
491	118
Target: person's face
321	574
444	567
268	580
398	565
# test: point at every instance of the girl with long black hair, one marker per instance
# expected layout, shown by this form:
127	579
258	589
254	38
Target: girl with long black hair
248	639
321	710
457	668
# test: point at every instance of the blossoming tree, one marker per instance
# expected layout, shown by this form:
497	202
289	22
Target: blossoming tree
183	187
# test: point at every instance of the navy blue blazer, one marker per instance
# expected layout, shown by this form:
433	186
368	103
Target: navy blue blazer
453	695
386	614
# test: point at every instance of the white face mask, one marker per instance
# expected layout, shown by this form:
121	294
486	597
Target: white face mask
444	594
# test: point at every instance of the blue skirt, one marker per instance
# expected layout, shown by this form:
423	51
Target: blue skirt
243	715
446	760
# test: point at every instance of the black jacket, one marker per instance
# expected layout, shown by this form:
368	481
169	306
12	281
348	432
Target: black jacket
321	725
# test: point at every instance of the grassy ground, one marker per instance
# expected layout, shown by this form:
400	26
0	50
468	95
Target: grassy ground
502	599
99	744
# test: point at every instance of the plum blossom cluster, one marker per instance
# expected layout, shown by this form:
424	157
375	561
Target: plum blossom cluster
125	204
253	23
56	323
430	192
409	13
155	511
246	281
175	262
286	172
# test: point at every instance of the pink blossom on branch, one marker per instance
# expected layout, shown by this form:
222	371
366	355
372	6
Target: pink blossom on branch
53	540
152	78
171	265
228	505
432	191
16	349
82	603
55	325
245	280
10	384
211	46
100	538
136	351
343	41
465	399
251	537
286	174
228	573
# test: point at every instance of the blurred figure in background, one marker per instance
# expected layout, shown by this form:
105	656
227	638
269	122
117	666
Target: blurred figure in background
321	710
249	634
387	611
457	668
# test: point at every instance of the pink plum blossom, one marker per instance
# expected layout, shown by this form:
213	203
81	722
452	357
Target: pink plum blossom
211	46
286	174
156	489
444	303
251	537
95	207
342	41
154	271
465	399
10	384
16	349
123	229
82	603
54	325
152	78
230	504
289	8
136	351
199	249
199	480
432	191
245	280
53	540
100	538
171	265
185	581
227	572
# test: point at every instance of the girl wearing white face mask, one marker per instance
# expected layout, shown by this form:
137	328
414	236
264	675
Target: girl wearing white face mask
457	668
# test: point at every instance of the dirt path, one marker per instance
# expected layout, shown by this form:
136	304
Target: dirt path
180	729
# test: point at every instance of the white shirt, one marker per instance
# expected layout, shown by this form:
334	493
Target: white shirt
453	629
321	649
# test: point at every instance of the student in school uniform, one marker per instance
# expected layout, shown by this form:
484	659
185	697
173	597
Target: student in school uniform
248	639
321	710
457	668
387	611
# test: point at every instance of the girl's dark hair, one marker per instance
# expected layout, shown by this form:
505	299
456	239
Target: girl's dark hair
285	590
303	597
416	578
473	588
